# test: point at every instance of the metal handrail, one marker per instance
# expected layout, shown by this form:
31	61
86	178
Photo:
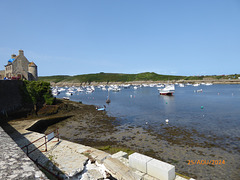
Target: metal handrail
26	146
41	138
35	161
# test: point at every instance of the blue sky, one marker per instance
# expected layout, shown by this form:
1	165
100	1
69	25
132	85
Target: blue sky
70	37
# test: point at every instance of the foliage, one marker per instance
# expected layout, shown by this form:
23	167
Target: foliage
54	78
40	92
194	78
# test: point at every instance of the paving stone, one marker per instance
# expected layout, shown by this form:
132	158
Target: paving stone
148	177
120	154
118	170
14	163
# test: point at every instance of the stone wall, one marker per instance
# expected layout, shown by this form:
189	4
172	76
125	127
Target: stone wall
12	99
20	66
2	74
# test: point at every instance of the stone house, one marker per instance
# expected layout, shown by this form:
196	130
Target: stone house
2	74
19	67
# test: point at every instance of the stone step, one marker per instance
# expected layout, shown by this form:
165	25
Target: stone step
119	170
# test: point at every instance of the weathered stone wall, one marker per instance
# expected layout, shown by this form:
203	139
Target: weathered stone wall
32	73
12	98
2	74
20	66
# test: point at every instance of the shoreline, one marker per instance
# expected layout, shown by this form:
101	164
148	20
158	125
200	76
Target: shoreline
96	129
214	81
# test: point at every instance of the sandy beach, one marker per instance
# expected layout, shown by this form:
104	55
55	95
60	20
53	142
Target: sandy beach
84	124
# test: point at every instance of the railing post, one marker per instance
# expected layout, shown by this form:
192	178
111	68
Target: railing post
58	134
45	143
36	162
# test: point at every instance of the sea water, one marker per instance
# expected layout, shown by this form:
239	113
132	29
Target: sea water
214	112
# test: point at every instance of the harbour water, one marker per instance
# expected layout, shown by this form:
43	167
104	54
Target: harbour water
203	124
211	116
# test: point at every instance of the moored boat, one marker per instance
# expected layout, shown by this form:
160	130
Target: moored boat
66	98
168	90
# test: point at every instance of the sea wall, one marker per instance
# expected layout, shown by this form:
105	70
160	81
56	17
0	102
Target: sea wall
12	99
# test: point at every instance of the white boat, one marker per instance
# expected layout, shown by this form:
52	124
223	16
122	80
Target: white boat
181	85
61	89
80	90
116	89
55	93
68	93
160	85
209	84
125	86
89	91
197	84
168	90
152	85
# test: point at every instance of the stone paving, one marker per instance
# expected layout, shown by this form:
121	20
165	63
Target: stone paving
14	163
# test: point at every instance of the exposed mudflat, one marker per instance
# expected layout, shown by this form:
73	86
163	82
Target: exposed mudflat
85	125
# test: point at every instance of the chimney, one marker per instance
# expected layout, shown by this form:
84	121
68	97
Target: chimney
13	56
21	52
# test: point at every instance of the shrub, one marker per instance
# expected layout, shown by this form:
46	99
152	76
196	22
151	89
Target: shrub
40	92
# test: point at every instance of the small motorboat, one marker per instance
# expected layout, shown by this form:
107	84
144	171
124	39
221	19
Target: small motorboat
101	108
168	90
66	98
68	93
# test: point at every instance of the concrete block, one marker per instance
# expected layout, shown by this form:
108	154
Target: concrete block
139	161
99	155
118	170
124	161
120	154
139	174
161	170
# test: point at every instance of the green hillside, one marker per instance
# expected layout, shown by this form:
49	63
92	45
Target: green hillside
111	77
116	77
